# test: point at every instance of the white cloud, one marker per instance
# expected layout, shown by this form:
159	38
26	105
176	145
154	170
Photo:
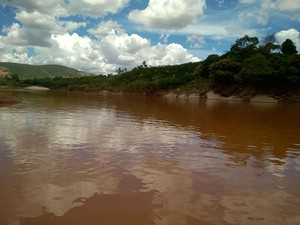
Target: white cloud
96	8
125	50
288	5
170	54
106	28
110	49
92	8
164	37
53	7
260	11
13	54
291	34
168	14
35	29
70	26
196	41
218	31
36	20
247	1
20	36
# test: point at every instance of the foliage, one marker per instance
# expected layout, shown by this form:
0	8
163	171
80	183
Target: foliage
224	71
288	47
255	69
244	48
203	68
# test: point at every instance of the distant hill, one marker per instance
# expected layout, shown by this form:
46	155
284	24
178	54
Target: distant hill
25	71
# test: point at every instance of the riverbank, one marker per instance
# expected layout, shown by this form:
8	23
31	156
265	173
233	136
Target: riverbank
246	94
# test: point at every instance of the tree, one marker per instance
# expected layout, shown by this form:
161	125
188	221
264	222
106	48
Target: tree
243	48
119	70
288	47
269	39
269	46
255	70
246	41
203	68
145	64
223	71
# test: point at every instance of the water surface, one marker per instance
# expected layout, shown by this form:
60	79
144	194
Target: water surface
75	158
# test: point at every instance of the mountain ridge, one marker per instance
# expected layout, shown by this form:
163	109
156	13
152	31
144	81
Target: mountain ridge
28	71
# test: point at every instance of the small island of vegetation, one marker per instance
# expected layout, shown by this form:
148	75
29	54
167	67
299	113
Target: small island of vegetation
248	69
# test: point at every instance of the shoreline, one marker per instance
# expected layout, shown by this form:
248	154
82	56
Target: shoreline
292	97
244	96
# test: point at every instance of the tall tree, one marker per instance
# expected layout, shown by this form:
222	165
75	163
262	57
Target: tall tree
288	47
244	48
203	68
269	46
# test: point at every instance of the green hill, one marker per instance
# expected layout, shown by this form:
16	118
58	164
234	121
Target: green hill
25	71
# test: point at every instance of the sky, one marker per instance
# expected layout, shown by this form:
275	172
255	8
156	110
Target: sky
100	36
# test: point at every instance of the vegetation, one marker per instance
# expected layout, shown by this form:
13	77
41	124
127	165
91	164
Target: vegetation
25	71
248	65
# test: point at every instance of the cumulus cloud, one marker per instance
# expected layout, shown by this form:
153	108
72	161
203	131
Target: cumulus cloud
35	29
53	7
168	14
170	54
18	36
109	48
106	28
36	20
291	34
14	54
122	49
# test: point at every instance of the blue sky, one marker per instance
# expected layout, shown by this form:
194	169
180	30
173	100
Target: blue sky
100	36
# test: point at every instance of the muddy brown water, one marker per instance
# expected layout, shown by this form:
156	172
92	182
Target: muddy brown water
75	158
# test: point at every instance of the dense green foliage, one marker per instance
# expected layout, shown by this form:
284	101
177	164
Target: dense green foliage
247	64
250	64
288	47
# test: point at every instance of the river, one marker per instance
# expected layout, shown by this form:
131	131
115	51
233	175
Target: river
79	158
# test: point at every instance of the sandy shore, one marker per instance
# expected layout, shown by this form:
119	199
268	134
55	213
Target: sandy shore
37	88
213	96
263	98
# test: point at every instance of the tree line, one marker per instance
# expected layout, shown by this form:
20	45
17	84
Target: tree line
254	64
248	63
